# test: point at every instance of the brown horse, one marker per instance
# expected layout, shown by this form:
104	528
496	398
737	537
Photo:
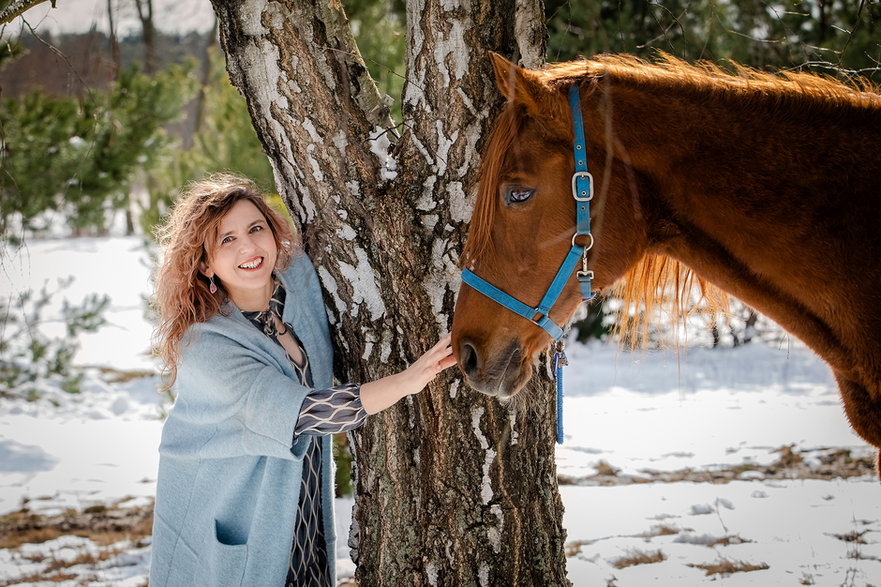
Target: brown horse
766	186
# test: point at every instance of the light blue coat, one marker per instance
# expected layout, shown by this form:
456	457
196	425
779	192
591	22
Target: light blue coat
229	468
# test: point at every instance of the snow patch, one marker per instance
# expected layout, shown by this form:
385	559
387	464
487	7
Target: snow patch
692	538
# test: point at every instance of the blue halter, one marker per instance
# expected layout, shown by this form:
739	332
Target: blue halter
582	192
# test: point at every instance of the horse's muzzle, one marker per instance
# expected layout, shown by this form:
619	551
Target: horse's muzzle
499	374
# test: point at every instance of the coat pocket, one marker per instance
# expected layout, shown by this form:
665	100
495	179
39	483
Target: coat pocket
223	564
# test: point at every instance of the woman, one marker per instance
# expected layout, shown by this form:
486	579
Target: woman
244	493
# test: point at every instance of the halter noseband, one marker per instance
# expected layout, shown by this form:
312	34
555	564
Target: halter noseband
582	192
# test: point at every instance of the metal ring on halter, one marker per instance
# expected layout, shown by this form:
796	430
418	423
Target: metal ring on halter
589	245
582	175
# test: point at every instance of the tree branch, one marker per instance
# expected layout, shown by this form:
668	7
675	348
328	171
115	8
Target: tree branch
307	84
9	10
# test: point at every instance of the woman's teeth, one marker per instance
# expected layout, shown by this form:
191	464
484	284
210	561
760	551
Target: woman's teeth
252	264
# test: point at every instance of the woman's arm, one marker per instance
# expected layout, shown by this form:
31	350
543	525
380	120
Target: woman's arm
331	411
384	393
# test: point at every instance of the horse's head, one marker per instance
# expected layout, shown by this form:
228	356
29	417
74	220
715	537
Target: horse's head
521	230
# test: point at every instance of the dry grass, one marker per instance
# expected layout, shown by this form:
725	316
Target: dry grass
28	536
729	540
39	578
852	537
638	557
112	375
660	530
604	468
573	548
727	567
84	558
111	530
102	524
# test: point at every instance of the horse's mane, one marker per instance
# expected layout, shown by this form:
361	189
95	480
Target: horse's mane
657	281
795	88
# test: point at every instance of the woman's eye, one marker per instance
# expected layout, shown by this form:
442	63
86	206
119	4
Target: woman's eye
518	195
256	228
226	239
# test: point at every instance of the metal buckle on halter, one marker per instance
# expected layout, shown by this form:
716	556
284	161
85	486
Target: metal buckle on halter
582	175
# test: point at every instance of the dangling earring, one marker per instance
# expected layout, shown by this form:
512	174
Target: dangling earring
212	287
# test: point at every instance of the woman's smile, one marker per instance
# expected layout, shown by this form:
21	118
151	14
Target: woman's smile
252	264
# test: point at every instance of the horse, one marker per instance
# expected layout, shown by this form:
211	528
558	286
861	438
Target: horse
764	186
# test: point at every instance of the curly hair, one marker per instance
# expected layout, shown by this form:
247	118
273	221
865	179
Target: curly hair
188	239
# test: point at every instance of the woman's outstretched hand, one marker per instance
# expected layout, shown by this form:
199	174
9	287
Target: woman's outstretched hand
383	393
426	367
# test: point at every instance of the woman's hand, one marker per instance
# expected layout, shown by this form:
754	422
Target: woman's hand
383	393
426	367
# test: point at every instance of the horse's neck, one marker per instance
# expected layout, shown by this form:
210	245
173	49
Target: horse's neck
778	209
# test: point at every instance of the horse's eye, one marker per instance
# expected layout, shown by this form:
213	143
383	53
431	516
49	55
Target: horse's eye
517	195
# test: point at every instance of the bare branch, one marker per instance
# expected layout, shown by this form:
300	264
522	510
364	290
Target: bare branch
9	10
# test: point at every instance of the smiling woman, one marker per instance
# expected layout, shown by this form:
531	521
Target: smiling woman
244	487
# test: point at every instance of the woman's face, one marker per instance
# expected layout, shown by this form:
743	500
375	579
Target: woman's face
244	255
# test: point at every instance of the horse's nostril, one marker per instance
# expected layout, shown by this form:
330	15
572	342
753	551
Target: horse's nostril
468	359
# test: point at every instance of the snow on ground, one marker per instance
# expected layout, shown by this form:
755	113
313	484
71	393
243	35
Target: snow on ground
635	411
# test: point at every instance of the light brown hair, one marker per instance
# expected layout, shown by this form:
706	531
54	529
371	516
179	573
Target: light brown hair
188	239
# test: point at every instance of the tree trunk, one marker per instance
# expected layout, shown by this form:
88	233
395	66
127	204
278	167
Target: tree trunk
148	30
452	488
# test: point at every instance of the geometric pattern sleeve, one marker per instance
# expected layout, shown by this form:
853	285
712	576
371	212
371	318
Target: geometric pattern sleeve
329	411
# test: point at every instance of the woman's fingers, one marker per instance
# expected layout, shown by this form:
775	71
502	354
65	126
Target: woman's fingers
443	343
446	362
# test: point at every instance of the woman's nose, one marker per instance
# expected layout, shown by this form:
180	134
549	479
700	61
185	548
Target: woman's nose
246	244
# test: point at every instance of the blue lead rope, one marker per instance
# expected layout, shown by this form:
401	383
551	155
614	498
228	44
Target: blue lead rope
560	361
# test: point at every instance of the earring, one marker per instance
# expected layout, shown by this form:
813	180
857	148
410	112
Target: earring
212	287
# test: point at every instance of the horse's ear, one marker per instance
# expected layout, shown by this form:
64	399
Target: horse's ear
515	83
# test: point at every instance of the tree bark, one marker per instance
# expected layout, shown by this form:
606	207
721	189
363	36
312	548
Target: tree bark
451	487
11	9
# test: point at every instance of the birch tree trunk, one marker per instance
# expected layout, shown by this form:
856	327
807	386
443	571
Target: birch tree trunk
452	488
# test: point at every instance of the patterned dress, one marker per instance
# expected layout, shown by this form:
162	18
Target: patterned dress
324	411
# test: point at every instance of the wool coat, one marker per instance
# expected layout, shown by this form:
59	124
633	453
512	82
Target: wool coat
230	467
